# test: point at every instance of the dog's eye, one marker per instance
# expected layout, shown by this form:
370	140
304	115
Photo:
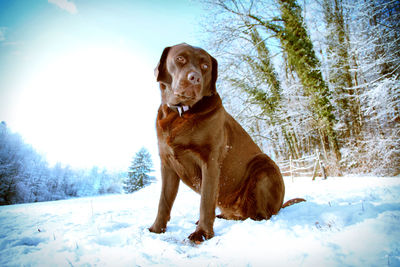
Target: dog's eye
181	59
204	66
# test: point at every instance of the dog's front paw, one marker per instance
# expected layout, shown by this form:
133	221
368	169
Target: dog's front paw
157	229
200	235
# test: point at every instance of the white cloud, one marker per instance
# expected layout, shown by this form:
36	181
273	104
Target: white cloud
66	5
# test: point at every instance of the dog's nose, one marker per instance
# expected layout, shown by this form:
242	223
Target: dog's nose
194	77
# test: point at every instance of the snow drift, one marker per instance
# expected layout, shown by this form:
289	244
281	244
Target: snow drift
351	221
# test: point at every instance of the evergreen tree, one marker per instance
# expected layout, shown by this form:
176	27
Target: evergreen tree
138	172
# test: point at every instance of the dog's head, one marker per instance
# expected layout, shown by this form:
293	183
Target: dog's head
186	74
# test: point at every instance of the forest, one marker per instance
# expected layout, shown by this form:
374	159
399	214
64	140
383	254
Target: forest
25	175
313	74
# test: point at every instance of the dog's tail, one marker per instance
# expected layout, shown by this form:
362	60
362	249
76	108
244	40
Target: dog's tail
292	201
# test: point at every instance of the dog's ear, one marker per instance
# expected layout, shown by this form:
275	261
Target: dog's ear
214	74
161	71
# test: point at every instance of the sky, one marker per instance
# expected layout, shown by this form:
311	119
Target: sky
76	77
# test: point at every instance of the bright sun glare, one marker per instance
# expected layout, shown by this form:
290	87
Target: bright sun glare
92	106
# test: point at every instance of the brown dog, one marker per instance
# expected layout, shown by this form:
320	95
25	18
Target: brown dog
202	145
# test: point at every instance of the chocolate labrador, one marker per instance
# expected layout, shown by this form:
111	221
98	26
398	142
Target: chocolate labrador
202	145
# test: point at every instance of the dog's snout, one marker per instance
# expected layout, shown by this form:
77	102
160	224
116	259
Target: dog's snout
194	78
185	93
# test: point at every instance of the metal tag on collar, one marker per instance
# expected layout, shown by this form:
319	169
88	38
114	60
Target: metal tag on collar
182	109
179	108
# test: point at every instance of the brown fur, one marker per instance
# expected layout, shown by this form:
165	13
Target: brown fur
292	202
207	149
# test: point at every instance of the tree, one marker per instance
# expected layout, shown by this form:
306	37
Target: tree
339	67
299	75
138	172
375	51
11	164
25	175
301	57
282	21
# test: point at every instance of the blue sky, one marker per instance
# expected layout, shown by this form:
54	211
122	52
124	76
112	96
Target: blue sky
76	77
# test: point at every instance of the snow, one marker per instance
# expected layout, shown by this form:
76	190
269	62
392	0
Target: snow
346	221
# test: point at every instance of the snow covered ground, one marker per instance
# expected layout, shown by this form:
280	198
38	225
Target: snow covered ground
350	221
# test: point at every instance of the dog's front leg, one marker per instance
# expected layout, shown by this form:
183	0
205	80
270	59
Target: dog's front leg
169	190
209	195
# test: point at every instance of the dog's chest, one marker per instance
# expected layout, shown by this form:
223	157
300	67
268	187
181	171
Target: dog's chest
185	165
185	145
184	158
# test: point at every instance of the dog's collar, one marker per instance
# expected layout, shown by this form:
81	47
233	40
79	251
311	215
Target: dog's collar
179	109
196	107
